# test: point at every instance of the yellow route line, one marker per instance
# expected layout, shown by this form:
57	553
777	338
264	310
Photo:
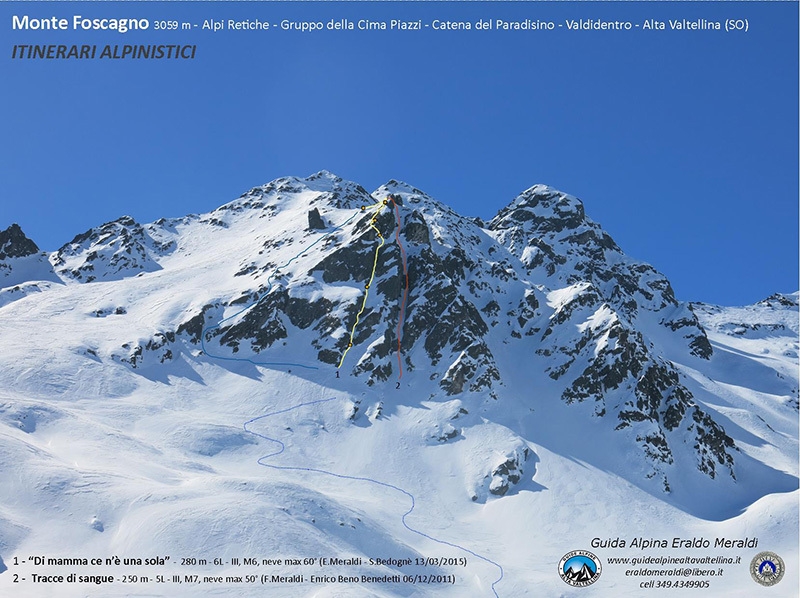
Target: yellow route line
376	208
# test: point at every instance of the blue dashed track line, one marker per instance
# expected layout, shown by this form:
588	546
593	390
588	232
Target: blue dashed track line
259	300
282	448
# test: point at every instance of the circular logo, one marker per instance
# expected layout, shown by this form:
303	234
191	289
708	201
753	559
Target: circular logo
767	568
579	568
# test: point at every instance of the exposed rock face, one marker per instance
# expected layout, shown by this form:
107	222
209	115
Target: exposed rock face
612	302
550	233
22	266
157	349
315	221
112	251
509	472
14	243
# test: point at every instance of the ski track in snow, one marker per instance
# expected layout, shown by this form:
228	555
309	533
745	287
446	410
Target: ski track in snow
282	448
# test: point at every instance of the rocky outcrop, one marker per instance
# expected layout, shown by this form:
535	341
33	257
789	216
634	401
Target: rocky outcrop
14	243
112	251
22	266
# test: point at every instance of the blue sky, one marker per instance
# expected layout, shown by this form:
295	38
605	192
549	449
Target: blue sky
684	146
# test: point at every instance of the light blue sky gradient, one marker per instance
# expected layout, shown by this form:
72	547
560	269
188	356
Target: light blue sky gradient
684	146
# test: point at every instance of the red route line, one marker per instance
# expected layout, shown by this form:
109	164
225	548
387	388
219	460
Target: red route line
405	291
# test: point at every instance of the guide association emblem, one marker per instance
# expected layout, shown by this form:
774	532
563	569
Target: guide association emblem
579	568
767	568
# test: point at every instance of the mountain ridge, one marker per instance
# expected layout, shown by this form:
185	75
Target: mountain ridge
540	288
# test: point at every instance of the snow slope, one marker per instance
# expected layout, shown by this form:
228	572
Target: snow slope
175	388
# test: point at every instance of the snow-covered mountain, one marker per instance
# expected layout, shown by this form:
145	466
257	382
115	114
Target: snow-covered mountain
23	268
510	377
